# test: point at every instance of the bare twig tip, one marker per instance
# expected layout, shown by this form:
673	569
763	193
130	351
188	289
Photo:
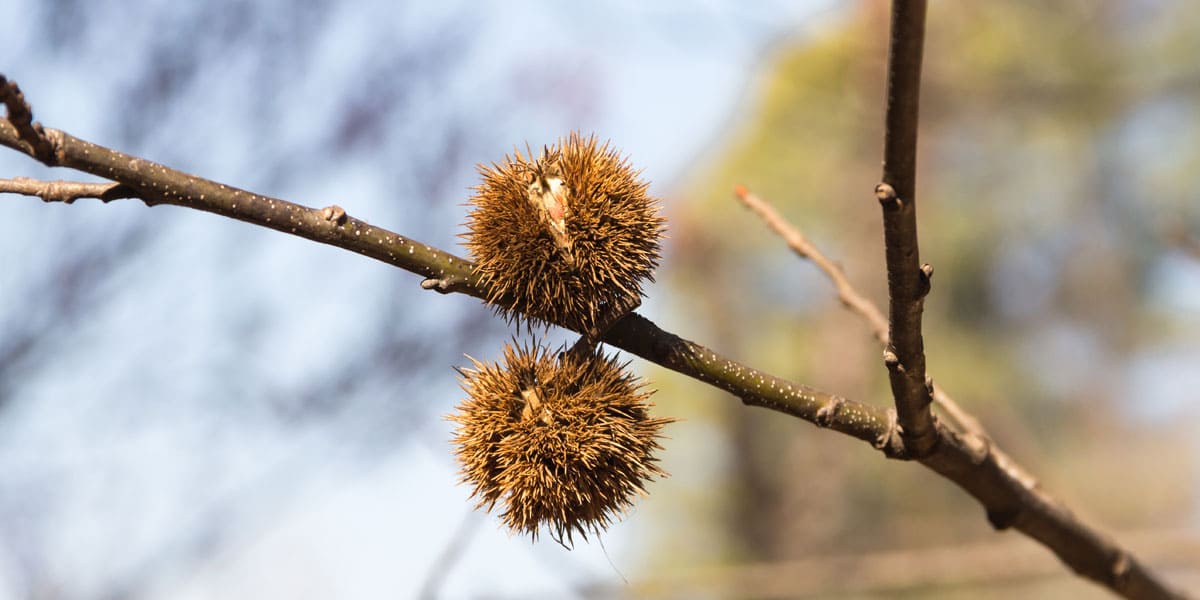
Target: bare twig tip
741	191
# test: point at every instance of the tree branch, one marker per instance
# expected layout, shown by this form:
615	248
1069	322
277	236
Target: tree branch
908	280
157	184
971	463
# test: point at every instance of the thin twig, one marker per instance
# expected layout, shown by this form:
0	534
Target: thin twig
908	284
1010	500
66	191
908	280
455	547
21	116
156	184
800	244
850	297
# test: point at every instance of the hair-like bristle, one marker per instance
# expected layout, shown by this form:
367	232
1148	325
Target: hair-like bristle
564	442
562	237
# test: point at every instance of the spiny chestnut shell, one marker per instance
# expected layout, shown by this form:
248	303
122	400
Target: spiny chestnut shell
561	442
612	224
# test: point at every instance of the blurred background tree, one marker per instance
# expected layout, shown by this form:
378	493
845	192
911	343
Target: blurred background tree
191	408
1058	153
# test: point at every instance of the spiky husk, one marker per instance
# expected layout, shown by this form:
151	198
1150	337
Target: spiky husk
612	225
562	442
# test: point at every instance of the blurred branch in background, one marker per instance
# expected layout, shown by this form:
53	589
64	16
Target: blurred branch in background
186	409
1179	237
853	300
849	296
66	293
1007	564
450	555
